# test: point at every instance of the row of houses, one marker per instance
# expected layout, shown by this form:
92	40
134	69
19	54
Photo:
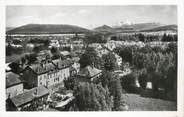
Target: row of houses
38	77
47	73
67	43
35	81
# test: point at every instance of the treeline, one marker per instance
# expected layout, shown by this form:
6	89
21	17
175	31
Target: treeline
145	38
95	38
38	41
155	64
168	38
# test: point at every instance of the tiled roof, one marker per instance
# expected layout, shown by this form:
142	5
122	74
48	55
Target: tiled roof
89	71
42	68
28	96
62	63
12	79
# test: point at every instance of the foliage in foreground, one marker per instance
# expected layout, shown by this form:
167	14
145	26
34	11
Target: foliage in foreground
112	81
157	64
92	97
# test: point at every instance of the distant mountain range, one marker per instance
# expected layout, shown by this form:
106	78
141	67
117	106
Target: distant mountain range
47	29
104	28
68	29
141	26
145	27
162	28
9	28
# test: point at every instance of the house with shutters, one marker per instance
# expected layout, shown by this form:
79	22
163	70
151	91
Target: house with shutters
44	73
63	67
47	73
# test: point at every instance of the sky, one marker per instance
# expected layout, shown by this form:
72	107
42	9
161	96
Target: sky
90	16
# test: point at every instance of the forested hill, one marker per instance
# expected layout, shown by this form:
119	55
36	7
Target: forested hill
47	29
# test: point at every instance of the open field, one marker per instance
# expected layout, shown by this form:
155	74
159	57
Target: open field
138	103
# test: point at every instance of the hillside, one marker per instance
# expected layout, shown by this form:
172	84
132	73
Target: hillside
143	26
104	28
47	29
9	28
123	29
127	27
137	27
162	28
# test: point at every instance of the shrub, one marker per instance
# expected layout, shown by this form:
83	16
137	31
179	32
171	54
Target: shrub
143	79
128	83
70	83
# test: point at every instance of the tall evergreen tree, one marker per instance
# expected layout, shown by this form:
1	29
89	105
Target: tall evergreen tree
92	97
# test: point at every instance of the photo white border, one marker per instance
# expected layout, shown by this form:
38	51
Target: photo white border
180	106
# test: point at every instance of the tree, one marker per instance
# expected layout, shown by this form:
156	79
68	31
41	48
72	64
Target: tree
16	42
168	38
56	54
143	79
141	37
164	37
109	61
9	50
23	60
139	60
89	57
106	78
54	50
31	58
15	67
70	83
171	82
113	83
94	38
92	97
172	47
36	49
46	43
126	53
128	82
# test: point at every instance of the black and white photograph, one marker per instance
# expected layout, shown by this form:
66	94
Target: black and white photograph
73	59
91	58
